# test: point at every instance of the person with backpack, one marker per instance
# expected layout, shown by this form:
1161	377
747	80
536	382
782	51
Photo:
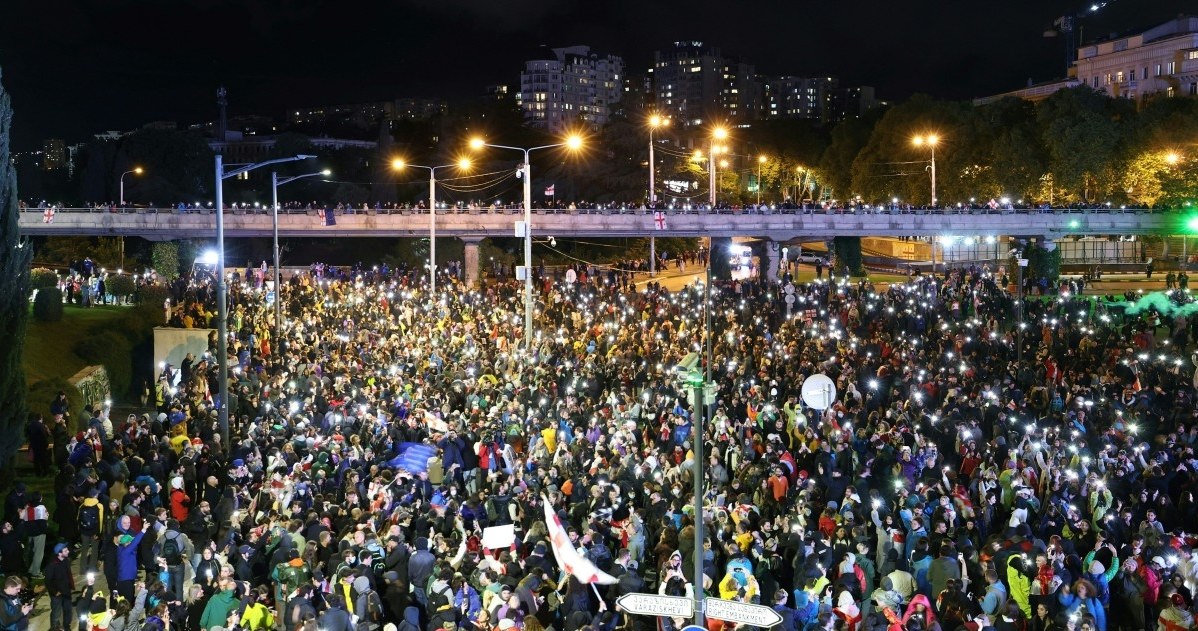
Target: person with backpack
368	605
174	548
91	520
289	576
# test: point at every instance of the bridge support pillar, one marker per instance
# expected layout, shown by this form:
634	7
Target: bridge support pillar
773	256
470	247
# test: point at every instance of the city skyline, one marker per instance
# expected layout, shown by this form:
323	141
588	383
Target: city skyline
79	69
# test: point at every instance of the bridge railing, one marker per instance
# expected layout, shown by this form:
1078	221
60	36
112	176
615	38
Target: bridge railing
594	210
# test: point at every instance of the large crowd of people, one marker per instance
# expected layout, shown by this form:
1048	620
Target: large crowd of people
378	441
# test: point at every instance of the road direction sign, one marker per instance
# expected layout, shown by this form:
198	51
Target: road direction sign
744	613
656	605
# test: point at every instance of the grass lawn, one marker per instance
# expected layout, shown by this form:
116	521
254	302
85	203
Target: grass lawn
49	346
49	353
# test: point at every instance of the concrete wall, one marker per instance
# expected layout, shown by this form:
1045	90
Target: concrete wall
172	345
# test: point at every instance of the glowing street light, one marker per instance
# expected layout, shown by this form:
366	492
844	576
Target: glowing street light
135	171
655	122
462	165
718	134
1172	158
573	142
930	141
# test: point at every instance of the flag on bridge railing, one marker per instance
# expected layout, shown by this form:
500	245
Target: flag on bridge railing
328	216
659	219
549	191
48	215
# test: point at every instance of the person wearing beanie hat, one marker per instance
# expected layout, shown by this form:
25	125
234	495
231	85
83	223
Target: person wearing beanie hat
180	501
368	607
1101	576
126	561
289	575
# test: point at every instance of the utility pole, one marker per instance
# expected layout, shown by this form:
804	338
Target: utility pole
1020	264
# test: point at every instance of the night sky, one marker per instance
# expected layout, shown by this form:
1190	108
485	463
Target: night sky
77	67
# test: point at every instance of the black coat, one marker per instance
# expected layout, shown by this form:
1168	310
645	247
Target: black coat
58	578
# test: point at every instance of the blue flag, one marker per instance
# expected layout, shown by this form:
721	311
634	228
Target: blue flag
413	457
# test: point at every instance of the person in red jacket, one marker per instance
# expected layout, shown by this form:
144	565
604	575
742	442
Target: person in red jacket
180	502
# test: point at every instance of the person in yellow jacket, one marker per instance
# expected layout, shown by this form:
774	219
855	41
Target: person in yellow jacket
739	583
257	616
1020	584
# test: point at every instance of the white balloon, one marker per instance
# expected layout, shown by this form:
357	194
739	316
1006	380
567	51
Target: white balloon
819	391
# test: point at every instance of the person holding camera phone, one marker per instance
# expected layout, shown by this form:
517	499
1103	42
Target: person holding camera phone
15	613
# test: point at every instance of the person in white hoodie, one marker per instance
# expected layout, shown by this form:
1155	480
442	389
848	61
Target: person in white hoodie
847	610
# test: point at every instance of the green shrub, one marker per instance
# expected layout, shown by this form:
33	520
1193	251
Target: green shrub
41	278
43	393
120	285
114	351
150	299
164	256
47	305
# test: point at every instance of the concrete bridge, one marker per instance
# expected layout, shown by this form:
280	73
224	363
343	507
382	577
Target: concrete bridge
474	225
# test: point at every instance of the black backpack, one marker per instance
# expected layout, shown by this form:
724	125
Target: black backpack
171	551
89	519
374	607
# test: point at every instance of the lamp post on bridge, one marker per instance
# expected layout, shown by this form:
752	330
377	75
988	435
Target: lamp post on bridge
717	134
930	140
463	164
135	171
222	305
574	142
275	183
655	121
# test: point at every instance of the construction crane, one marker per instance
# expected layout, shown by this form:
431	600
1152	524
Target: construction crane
1067	26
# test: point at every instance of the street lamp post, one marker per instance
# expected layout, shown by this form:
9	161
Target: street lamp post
222	305
931	140
275	183
717	134
655	121
134	170
462	164
1020	263
573	143
760	161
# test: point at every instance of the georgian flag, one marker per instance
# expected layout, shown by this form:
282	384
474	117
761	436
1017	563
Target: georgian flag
48	215
328	216
567	557
549	191
659	219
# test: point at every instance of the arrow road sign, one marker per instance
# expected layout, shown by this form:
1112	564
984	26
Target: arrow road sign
744	613
655	605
